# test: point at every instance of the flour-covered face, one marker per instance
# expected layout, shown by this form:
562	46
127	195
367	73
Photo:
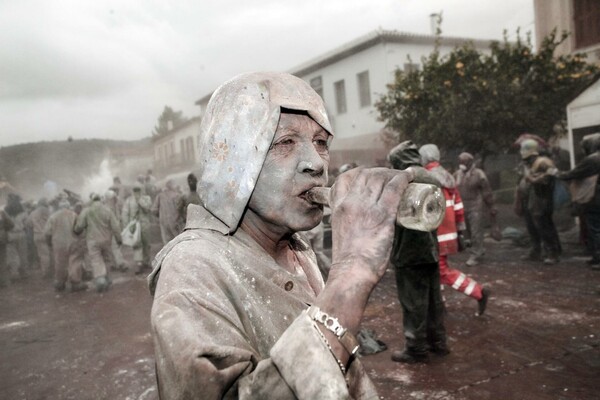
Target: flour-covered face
296	162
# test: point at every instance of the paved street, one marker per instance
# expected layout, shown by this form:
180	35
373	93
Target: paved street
539	338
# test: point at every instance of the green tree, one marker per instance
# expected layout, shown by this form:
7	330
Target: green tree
169	119
481	102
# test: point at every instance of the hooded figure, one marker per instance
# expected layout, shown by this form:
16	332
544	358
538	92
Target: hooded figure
475	191
534	199
586	173
450	233
415	260
230	317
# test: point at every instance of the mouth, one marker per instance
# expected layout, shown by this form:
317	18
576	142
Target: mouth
306	196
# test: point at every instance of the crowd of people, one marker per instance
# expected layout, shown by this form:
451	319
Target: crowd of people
71	241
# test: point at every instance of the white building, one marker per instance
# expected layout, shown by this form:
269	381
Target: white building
581	18
352	77
177	151
583	117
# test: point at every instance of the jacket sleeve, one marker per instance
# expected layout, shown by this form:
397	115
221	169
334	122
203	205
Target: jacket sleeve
203	351
586	168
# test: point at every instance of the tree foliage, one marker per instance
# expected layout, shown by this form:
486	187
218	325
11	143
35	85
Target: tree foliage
481	102
168	120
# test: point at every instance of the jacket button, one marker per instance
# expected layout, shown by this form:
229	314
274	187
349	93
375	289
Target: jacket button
289	285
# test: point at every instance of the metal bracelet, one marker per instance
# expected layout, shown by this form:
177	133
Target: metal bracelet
332	324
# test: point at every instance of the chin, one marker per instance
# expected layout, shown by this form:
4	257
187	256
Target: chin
308	222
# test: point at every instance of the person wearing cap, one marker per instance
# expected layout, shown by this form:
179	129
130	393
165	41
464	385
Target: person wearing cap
475	191
588	169
99	225
165	208
240	309
138	207
534	201
37	223
415	260
62	240
450	234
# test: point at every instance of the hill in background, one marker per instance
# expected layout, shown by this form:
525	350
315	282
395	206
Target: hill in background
71	164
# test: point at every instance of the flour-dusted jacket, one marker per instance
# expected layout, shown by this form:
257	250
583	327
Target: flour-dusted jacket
228	321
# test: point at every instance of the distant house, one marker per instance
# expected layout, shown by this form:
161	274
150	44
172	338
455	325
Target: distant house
352	77
581	18
177	150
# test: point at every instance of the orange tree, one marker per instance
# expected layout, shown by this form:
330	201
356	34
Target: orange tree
481	102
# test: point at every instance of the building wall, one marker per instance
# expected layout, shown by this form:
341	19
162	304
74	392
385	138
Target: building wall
357	131
559	14
178	149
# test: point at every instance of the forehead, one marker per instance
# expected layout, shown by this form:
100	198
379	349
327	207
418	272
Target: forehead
298	123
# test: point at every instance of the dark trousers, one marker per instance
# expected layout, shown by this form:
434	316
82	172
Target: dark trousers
542	231
422	306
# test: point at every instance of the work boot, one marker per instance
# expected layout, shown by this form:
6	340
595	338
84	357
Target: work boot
78	287
59	287
439	348
482	303
408	357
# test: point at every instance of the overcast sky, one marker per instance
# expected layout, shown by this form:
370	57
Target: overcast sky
106	69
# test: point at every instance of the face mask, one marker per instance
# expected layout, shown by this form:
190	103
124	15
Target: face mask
462	167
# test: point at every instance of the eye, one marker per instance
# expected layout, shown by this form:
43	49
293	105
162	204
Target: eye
321	144
286	142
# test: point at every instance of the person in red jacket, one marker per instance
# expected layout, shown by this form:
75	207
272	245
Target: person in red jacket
450	232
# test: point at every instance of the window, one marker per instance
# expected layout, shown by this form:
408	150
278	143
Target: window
364	89
190	149
340	96
317	84
586	16
411	67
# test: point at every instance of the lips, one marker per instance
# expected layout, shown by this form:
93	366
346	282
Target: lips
304	195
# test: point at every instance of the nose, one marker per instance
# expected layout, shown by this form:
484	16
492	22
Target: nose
310	161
